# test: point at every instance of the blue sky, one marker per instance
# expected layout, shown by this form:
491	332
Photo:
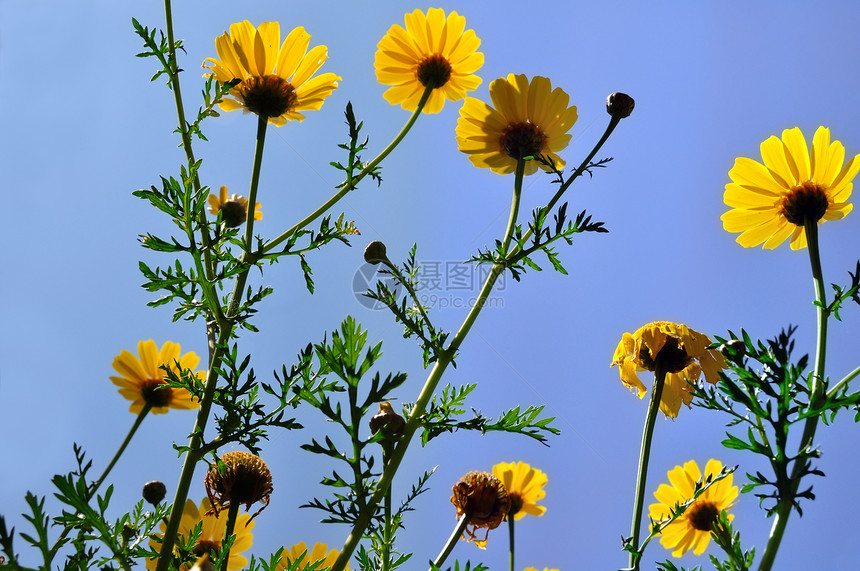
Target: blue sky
83	127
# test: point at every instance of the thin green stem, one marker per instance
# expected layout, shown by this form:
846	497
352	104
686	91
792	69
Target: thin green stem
511	537
452	541
351	182
262	122
842	383
644	456
817	391
232	512
94	488
444	358
209	266
387	523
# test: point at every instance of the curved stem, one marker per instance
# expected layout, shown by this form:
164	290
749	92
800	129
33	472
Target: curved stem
511	537
842	383
232	512
817	390
351	182
644	455
414	421
452	541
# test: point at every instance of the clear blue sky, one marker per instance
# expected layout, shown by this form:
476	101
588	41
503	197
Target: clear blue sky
83	127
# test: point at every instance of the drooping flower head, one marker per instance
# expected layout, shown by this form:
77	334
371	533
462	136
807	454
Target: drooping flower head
142	381
233	209
692	530
528	118
771	201
482	497
277	79
683	353
525	487
320	553
211	535
239	478
433	51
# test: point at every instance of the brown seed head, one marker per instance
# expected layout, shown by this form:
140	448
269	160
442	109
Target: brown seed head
238	478
482	497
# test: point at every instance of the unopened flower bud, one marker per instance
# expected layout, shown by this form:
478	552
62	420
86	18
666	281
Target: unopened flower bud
387	420
154	492
619	105
375	253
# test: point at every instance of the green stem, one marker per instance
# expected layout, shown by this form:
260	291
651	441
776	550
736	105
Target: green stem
388	527
511	537
262	122
352	182
452	541
209	267
415	419
817	392
841	384
232	512
92	491
644	455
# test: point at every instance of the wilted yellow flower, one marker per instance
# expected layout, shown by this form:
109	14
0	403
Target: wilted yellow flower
142	380
277	79
240	478
684	355
529	118
525	487
482	497
433	51
233	209
211	535
692	530
320	552
771	201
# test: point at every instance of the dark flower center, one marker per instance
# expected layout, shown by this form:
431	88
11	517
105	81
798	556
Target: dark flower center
672	356
434	71
807	201
156	393
267	96
521	140
516	504
240	478
702	515
233	213
205	546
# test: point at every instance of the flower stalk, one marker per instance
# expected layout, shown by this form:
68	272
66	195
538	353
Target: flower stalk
644	456
452	540
232	512
817	392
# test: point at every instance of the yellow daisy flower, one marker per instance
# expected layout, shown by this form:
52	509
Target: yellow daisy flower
529	118
211	534
320	552
234	209
771	201
683	352
433	51
142	380
276	82
544	569
692	530
525	487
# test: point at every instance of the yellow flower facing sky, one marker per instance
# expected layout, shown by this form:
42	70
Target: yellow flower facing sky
277	79
142	381
233	209
211	535
770	201
683	352
692	530
544	569
525	487
433	51
528	118
320	552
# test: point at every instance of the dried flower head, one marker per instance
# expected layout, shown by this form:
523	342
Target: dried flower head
483	498
387	420
239	478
